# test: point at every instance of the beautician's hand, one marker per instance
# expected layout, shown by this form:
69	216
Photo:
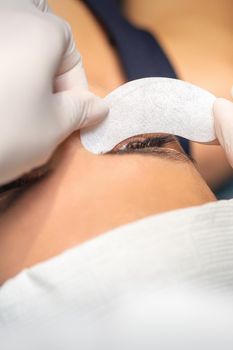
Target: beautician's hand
223	118
44	95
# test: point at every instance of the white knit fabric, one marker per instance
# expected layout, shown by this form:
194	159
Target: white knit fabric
190	248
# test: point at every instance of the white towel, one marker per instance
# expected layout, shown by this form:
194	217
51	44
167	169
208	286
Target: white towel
189	248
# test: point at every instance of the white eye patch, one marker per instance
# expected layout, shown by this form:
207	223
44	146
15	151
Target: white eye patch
153	105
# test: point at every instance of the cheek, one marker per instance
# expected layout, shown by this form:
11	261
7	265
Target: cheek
128	177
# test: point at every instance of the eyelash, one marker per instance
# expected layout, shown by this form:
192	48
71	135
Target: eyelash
148	143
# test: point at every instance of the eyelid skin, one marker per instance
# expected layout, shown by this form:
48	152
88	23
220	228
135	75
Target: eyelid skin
161	152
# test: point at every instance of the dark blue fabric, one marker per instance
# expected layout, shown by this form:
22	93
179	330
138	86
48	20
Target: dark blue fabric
140	53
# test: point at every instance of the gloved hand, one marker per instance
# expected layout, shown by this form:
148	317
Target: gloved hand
44	95
223	119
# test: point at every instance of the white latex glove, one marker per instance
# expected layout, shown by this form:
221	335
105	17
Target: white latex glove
43	89
223	118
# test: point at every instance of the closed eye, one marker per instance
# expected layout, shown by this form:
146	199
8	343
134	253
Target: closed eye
163	145
145	141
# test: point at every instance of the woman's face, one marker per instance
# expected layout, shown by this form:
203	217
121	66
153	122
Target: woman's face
86	195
